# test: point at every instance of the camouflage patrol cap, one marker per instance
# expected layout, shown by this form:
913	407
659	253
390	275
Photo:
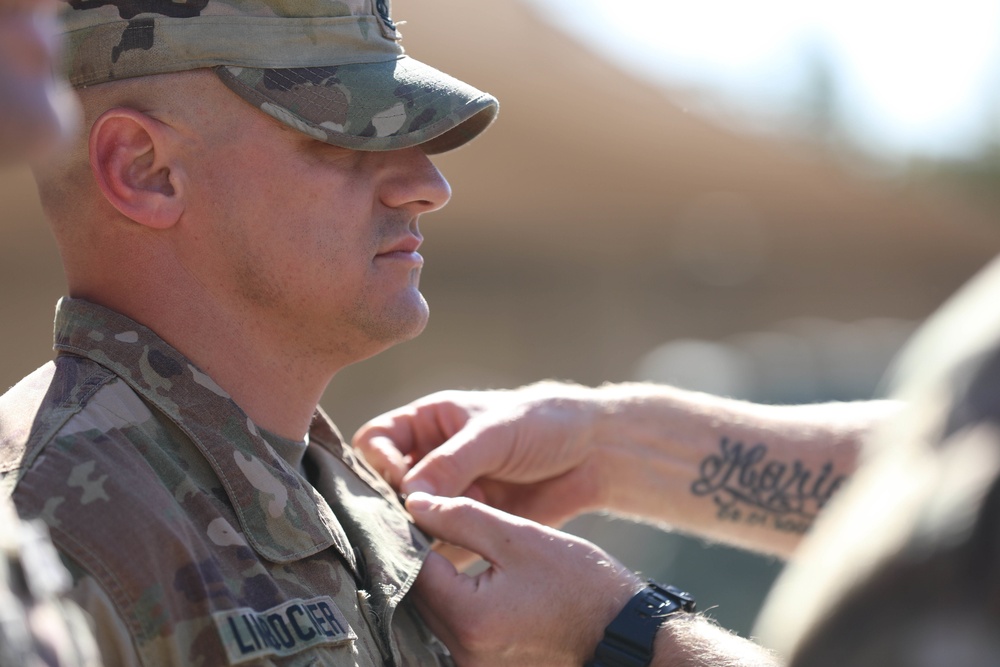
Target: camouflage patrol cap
333	69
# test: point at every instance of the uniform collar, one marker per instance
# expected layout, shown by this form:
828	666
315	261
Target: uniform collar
283	517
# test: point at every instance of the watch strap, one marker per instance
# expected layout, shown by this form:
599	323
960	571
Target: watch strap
628	640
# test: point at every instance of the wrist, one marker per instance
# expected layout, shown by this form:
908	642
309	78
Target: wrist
631	637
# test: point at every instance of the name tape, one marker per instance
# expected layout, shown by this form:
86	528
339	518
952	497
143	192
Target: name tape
283	630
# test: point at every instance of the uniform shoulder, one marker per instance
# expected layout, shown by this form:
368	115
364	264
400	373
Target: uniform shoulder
38	406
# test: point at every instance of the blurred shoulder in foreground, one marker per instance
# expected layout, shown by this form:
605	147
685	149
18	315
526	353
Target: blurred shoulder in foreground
905	567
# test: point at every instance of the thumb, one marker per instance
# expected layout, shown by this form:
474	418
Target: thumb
443	597
466	523
451	468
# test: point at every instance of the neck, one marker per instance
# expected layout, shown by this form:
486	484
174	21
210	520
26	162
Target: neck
276	384
277	390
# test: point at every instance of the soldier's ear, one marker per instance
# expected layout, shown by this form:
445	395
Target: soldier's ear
135	169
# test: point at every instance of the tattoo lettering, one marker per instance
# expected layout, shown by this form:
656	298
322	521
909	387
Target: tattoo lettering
749	488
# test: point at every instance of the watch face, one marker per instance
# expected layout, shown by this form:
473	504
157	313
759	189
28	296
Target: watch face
684	601
665	608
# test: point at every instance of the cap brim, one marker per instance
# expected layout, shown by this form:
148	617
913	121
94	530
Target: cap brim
377	106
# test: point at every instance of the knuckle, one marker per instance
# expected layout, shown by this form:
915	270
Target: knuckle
363	443
444	396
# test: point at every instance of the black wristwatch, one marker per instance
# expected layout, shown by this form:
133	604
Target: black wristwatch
628	641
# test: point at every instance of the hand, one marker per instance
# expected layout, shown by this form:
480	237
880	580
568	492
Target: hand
526	451
545	599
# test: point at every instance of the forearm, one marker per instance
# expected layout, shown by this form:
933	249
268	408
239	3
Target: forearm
696	641
746	474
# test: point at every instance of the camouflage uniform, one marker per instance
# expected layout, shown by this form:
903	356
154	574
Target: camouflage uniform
904	568
185	529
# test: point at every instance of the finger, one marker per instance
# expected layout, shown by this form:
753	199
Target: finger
382	455
439	576
436	593
395	426
467	524
418	427
452	468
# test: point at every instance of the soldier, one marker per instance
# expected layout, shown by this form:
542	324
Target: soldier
237	221
38	626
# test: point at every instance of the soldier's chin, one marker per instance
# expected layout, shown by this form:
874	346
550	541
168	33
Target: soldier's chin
35	120
397	326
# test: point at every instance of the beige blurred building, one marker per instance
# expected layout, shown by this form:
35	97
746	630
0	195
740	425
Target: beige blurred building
597	221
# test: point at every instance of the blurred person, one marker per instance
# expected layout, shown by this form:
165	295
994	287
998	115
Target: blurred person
901	569
37	108
37	625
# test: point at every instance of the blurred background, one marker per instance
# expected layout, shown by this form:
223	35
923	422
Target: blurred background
760	200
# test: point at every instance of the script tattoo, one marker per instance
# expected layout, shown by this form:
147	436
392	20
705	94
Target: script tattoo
748	488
